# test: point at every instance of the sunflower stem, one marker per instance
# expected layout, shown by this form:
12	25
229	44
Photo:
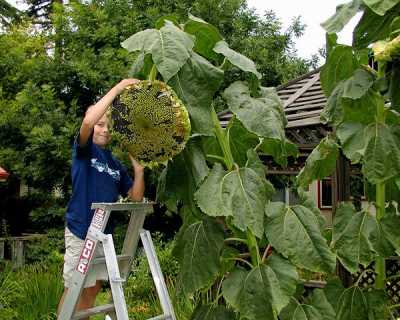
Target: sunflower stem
153	73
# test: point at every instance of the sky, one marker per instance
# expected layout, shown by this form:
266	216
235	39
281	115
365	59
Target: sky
313	13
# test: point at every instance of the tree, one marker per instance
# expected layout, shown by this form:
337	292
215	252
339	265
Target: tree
7	13
53	73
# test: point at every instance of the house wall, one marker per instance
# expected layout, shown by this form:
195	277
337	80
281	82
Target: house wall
327	213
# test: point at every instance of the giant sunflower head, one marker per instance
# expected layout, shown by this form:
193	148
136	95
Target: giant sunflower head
151	121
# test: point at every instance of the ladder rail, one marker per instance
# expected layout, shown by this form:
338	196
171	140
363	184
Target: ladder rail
71	299
156	272
115	278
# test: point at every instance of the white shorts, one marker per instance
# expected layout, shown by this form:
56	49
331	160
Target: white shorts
73	247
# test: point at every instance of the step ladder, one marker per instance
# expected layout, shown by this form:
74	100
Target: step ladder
117	267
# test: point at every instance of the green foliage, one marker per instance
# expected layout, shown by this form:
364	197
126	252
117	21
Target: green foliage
362	110
284	226
46	250
223	249
344	13
204	241
140	291
32	292
39	282
9	292
196	83
320	163
234	193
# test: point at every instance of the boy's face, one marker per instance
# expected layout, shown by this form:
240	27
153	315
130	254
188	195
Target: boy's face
101	134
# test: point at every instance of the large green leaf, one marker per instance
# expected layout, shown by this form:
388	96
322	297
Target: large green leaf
333	290
170	47
210	312
295	233
206	36
358	85
209	196
352	244
196	84
339	108
203	242
306	200
394	82
362	110
390	227
299	311
286	273
256	294
381	6
254	162
343	214
140	69
244	194
382	155
279	150
373	27
236	58
378	305
352	305
353	138
320	163
320	302
250	110
240	140
340	65
356	304
190	169
344	13
331	42
333	110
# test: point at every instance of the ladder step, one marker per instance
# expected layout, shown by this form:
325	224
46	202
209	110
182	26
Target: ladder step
162	317
122	257
92	311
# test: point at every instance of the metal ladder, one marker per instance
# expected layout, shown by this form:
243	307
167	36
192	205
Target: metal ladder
117	267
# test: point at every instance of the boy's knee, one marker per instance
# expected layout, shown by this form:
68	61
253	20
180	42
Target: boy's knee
92	291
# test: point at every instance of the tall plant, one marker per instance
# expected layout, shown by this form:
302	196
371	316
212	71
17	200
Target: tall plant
363	108
218	184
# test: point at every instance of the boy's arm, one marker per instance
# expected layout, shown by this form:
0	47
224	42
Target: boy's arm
136	192
95	112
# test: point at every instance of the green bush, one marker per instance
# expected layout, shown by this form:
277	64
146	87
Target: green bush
48	250
9	292
39	292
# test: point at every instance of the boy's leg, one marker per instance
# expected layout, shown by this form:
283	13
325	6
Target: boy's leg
73	247
87	299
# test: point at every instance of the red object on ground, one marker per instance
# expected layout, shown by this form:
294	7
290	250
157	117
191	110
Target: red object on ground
3	174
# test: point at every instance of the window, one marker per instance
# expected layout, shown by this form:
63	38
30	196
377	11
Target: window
286	195
325	193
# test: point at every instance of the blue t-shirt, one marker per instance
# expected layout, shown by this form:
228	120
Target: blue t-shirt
96	177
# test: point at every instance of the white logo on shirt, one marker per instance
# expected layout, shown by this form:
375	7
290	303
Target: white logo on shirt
103	167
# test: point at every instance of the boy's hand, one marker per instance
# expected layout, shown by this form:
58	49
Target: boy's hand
136	165
124	83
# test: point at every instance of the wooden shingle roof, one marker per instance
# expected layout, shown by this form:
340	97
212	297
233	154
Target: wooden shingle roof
303	101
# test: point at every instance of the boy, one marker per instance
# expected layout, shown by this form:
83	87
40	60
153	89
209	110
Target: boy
96	177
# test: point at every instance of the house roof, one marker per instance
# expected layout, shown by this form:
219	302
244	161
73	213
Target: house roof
3	174
303	101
